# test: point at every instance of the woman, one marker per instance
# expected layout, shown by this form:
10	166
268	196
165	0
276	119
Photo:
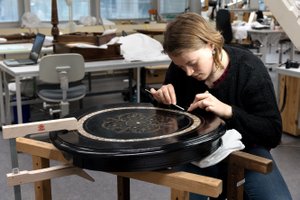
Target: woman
233	84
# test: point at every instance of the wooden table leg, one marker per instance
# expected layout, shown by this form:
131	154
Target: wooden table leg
42	188
123	188
235	184
179	195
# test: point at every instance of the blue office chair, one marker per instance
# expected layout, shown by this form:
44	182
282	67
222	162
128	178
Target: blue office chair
59	81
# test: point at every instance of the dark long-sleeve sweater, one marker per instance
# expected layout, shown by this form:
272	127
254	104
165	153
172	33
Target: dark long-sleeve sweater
247	88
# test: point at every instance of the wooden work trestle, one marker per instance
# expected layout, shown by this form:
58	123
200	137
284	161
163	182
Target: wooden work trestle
181	183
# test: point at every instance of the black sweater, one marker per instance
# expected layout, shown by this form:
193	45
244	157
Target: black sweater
247	88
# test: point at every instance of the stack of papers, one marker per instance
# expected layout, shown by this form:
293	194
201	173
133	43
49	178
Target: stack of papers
257	25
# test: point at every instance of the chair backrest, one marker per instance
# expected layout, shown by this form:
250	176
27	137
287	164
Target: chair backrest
223	24
72	62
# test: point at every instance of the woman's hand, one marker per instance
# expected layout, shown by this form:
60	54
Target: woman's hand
165	95
210	103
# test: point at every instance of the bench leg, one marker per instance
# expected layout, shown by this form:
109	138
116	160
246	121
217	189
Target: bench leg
179	195
42	189
235	182
123	188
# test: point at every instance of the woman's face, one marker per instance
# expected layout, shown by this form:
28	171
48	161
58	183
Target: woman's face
198	64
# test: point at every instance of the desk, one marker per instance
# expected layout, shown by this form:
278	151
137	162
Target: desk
20	48
240	31
266	37
289	99
14	49
294	72
151	32
33	70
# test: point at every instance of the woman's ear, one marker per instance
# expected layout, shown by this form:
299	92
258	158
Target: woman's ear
212	46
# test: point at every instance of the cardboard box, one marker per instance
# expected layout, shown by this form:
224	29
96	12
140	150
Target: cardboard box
154	75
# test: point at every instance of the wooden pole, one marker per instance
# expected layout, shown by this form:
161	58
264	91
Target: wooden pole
54	21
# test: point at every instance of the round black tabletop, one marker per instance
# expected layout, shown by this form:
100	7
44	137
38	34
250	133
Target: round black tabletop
138	137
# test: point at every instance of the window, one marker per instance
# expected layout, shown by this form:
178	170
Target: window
12	10
169	9
172	6
42	8
125	9
9	11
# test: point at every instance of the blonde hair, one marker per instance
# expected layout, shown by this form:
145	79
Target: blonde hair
190	32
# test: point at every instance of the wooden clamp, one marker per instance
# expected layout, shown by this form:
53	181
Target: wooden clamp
21	177
21	130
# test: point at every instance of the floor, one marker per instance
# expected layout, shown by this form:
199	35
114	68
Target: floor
286	155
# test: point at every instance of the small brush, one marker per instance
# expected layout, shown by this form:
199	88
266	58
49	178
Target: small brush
179	107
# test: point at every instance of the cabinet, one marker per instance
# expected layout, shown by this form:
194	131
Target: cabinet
289	100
